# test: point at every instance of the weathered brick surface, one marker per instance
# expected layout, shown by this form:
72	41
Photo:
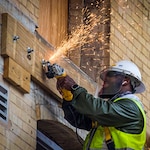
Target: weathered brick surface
75	19
91	55
18	9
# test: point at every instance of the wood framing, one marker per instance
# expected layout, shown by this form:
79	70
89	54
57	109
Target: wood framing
17	49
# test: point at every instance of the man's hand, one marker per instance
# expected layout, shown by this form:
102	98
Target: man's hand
65	83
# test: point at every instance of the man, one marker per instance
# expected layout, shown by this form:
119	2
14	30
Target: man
118	123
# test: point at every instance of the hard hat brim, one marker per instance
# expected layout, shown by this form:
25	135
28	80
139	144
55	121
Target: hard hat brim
141	88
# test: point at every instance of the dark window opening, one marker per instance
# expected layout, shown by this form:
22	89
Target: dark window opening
3	104
44	143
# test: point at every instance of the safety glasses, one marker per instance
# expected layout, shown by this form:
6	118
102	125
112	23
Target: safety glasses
113	74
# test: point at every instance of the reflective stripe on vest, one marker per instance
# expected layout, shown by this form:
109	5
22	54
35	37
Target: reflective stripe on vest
122	140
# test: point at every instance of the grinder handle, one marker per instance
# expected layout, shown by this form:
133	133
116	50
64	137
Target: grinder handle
66	94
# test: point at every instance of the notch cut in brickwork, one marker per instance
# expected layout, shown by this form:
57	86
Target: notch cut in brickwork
3	103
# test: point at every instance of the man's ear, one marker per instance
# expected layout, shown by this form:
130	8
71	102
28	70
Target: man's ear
124	83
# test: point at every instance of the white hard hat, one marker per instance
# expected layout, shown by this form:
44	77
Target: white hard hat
131	70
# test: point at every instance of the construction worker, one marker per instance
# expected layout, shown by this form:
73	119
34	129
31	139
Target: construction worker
116	119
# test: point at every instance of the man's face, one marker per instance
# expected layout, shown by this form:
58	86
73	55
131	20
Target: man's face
112	84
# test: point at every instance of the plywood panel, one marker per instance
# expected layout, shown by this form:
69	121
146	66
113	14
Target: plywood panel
45	19
41	52
26	41
8	33
17	49
54	18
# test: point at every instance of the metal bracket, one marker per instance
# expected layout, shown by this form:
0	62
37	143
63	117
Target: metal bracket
29	51
15	37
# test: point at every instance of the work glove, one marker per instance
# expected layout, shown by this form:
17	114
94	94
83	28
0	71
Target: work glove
65	83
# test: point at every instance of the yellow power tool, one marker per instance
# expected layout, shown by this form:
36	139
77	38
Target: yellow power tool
54	70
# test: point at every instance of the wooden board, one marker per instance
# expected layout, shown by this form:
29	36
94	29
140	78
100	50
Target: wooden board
15	74
25	43
8	33
55	22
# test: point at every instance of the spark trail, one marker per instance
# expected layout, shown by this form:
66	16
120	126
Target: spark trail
80	36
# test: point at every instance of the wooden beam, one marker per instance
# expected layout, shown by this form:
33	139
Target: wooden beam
17	75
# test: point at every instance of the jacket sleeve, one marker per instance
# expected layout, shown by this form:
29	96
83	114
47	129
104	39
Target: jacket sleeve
121	114
75	118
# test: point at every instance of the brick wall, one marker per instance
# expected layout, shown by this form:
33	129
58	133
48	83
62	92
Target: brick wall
92	56
75	19
20	131
24	11
130	36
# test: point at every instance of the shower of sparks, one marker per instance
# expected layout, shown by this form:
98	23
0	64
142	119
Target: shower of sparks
81	35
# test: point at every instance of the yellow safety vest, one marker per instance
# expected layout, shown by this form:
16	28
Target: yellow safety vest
122	140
